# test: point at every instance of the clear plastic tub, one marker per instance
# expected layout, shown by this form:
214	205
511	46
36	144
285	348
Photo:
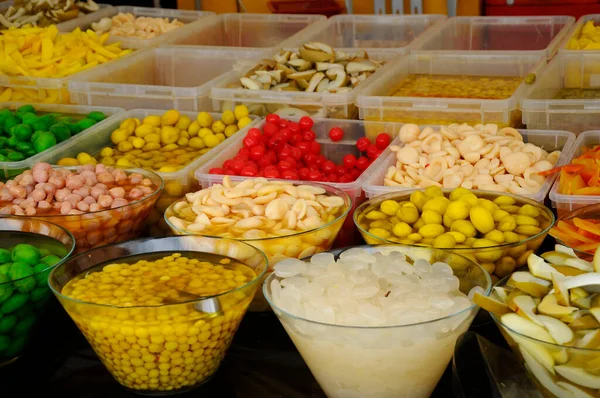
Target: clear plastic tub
375	102
52	155
353	130
550	140
538	35
176	183
575	31
167	77
390	35
185	16
566	203
288	103
243	30
572	70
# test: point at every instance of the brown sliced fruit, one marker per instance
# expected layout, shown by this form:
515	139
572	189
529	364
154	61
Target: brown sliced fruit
314	81
338	78
529	284
315	55
491	305
549	306
300	64
304	75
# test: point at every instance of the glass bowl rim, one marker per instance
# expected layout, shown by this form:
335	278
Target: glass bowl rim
276	308
62	260
129	171
407	193
328	188
202	298
570	215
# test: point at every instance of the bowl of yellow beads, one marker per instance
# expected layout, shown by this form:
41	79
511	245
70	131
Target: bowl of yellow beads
495	229
170	143
160	313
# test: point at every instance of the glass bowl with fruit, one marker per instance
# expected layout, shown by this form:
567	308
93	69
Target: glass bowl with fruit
579	229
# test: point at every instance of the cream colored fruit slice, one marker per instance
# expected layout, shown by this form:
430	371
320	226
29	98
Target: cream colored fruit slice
564	259
557	329
537	351
582	302
529	284
584	322
560	355
502	293
575	392
542	375
549	306
561	293
491	305
597	260
590	281
578	376
526	327
595	311
590	339
510	299
525	306
565	249
541	269
578	292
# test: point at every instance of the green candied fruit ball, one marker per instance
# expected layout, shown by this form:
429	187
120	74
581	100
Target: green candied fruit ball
7	323
5	256
15	156
4	343
23	132
26	253
10	122
50	260
16	346
96	115
4	268
14	302
28	118
25	109
61	132
86	123
74	127
24	147
24	325
44	141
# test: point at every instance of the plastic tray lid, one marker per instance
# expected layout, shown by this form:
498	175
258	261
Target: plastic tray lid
576	30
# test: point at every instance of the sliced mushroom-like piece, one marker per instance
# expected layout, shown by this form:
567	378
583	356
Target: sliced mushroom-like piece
549	306
283	57
5	22
321	66
314	81
306	75
541	269
322	86
315	55
589	340
17	14
363	76
67	15
338	78
315	45
358	66
302	83
300	64
290	88
249	83
294	56
89	6
575	392
354	81
264	77
341	56
542	375
277	75
280	86
285	69
339	90
491	305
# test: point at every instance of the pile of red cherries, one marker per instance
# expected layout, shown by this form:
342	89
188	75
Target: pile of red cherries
289	150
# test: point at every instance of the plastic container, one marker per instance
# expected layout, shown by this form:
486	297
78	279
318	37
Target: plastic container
549	140
573	70
299	244
566	203
576	8
185	16
389	35
19	323
257	31
177	183
208	332
328	8
52	155
534	35
375	102
178	77
499	260
353	130
575	31
99	228
338	355
288	103
589	213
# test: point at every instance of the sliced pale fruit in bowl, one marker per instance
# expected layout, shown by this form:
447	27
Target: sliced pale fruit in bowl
550	316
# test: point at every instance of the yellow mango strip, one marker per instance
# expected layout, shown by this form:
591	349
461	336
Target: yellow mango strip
6	95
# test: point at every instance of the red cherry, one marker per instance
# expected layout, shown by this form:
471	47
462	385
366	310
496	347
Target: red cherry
304	173
306	123
309	135
372	152
315	147
269	129
271	173
249	171
303	146
244	152
363	143
216	170
345	179
296	153
285	134
290	175
332	178
341	170
336	134
328	167
273	118
294	127
320	160
377	153
254	133
264	162
310	159
362	163
237	165
315	175
257	152
227	164
349	161
283	123
382	140
230	172
284	165
249	142
252	163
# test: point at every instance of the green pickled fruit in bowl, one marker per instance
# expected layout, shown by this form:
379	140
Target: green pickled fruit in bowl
61	132
45	140
26	253
5	256
7	323
21	275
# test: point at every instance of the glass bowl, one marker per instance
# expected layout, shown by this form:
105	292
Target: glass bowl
22	301
499	260
391	361
540	359
589	241
156	350
95	229
299	245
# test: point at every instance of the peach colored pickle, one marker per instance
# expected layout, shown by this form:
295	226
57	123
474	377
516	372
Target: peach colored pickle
148	334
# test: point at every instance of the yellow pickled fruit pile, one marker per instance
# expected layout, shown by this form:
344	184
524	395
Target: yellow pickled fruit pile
588	39
147	340
44	52
165	143
459	221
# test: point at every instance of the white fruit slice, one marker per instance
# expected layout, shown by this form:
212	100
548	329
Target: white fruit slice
529	284
557	329
541	269
597	260
549	306
502	293
578	376
583	302
562	294
579	264
491	305
542	375
525	306
590	339
518	324
575	392
584	280
560	355
536	350
565	249
578	292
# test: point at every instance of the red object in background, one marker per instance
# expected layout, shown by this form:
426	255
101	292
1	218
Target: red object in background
324	7
574	8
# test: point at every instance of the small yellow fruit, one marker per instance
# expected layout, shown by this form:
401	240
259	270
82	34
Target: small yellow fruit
119	135
183	123
205	119
68	162
228	117
231	130
241	111
152	120
106	152
218	127
243	122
